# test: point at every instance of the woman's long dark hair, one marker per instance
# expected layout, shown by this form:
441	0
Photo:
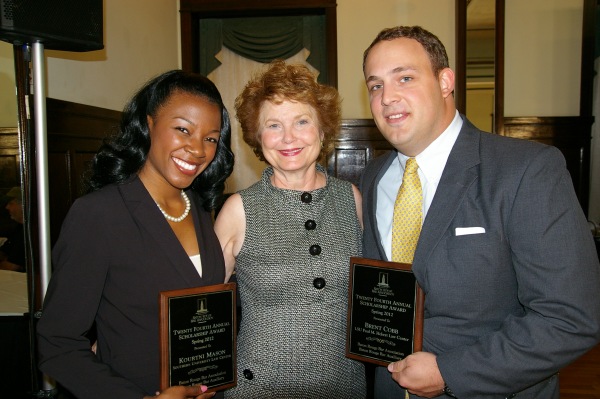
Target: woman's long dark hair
123	155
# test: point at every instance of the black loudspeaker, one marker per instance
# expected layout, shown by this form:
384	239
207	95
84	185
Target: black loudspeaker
70	25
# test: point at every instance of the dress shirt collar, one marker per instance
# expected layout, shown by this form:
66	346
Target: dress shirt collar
432	159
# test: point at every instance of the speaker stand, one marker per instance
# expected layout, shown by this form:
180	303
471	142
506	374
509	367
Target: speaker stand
41	157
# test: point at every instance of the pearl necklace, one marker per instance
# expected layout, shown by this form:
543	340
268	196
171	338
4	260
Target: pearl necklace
185	212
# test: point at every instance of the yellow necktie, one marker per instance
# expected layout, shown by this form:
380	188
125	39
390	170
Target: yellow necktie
408	215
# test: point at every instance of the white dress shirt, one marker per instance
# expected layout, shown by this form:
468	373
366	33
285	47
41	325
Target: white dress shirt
432	162
197	263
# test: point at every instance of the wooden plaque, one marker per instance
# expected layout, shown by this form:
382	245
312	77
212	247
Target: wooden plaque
385	311
198	337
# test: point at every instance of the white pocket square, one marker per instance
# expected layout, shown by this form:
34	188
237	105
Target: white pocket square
463	231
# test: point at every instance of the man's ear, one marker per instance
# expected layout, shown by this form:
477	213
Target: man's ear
446	79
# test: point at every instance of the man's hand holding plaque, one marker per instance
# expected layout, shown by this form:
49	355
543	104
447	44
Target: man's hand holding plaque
385	311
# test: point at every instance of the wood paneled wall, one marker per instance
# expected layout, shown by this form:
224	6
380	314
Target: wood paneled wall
359	141
10	164
75	132
9	158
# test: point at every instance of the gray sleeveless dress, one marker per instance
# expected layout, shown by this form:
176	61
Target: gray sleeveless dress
292	273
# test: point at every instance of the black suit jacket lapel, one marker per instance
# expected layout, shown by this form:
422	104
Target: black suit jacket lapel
210	250
149	218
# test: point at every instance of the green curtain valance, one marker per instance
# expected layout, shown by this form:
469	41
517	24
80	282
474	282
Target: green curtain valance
263	39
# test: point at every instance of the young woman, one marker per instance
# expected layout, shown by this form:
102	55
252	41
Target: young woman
145	227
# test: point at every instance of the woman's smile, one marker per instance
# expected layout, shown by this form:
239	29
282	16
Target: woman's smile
291	152
186	167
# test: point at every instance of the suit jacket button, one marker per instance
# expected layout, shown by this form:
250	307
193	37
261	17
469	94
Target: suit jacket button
315	250
248	374
319	283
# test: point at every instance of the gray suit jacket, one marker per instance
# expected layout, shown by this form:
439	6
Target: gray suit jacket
507	309
115	253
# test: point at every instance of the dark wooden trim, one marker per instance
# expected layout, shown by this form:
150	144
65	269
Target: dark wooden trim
460	85
191	10
67	119
358	129
11	162
499	69
189	42
237	5
460	82
357	143
331	43
570	128
587	57
9	139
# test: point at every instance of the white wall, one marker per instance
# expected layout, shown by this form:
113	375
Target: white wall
359	21
140	41
542	57
542	72
8	95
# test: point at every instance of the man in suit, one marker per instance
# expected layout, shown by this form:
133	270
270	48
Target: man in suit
504	256
12	251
